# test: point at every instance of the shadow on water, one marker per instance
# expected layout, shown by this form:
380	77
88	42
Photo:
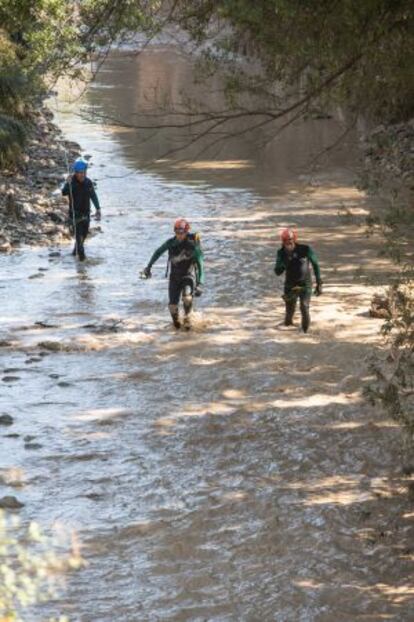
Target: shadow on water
229	473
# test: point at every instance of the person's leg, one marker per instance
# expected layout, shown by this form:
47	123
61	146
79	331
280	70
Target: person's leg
290	307
78	241
187	293
304	310
81	233
174	291
188	289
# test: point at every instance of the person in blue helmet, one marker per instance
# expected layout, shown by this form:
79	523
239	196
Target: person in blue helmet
80	191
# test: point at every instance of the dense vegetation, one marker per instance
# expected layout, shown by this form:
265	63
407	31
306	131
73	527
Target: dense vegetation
42	40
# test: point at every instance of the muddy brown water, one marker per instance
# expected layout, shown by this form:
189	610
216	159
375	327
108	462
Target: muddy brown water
233	473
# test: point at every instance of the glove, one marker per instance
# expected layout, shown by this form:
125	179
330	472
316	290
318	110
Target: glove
146	273
198	291
98	214
318	289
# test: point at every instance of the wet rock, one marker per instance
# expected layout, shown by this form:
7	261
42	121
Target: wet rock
5	344
12	435
5	247
64	385
6	419
55	254
52	346
41	324
57	218
10	503
94	496
11	378
33	446
54	376
38	275
28	438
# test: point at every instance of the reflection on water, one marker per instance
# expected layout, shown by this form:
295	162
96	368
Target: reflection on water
155	88
232	473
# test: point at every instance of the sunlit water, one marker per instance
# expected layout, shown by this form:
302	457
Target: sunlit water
229	473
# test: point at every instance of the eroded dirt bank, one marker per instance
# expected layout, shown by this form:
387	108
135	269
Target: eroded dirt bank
31	208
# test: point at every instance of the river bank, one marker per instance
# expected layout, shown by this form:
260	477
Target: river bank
31	208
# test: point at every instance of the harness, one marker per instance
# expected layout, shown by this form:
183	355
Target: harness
194	238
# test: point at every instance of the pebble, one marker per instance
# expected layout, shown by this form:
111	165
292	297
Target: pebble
33	446
6	419
53	346
10	503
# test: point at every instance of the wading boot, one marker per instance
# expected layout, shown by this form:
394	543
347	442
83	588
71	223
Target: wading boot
175	315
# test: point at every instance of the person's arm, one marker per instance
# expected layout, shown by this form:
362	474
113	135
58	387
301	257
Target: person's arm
199	259
65	189
315	264
94	197
280	265
160	251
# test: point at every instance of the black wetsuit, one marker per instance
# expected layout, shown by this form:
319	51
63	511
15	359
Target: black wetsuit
298	281
80	194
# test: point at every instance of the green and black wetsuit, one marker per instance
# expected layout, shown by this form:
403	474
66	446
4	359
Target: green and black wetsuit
298	281
186	264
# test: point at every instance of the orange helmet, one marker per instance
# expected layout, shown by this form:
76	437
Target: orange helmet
181	225
288	234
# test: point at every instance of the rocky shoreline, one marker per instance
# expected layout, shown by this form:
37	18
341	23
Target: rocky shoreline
32	211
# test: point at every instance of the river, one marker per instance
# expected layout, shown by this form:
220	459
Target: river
232	473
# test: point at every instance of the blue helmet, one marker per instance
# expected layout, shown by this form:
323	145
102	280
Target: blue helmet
80	165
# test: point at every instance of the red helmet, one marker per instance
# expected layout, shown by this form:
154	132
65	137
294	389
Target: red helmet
288	234
181	225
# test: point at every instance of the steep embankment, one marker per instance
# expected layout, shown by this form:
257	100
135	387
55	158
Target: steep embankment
31	212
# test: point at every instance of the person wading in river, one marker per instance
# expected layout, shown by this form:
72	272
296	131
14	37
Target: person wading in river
294	259
80	191
185	259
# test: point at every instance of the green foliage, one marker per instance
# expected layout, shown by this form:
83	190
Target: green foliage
29	569
359	54
394	373
13	135
42	40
